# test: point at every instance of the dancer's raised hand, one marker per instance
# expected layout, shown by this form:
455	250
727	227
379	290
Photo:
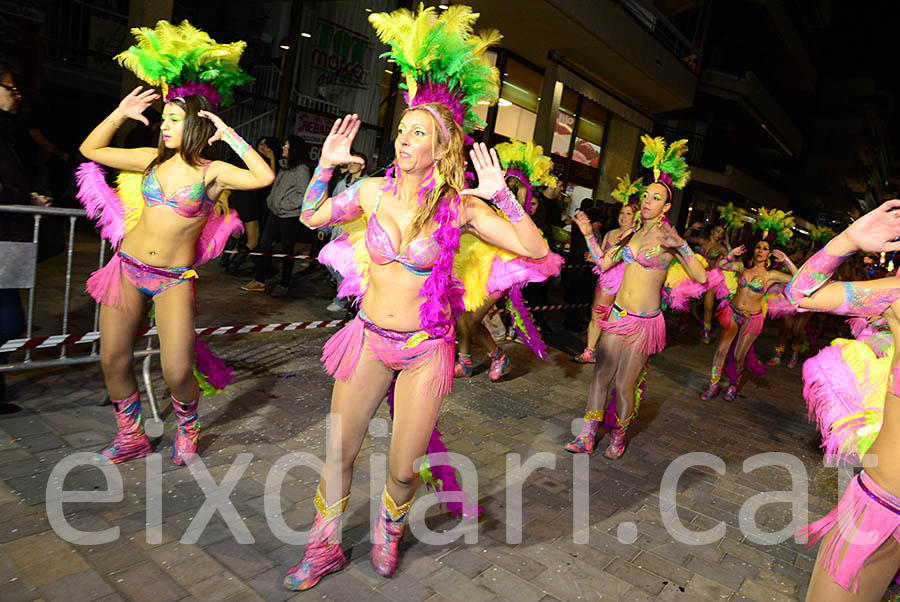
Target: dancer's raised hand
779	256
221	128
583	222
490	174
738	251
336	148
134	105
875	232
669	236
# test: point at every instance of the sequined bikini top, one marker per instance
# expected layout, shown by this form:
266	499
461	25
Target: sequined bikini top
419	256
188	201
649	258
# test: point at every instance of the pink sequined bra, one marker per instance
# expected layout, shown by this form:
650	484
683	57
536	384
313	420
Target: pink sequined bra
419	256
648	258
187	201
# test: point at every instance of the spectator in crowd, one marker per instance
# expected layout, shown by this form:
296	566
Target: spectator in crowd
251	205
20	184
578	282
283	222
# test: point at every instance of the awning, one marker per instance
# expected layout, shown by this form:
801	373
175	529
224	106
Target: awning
604	99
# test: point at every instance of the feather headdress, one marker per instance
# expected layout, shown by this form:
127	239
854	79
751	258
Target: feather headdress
668	163
528	163
732	217
628	189
820	235
184	60
441	58
775	222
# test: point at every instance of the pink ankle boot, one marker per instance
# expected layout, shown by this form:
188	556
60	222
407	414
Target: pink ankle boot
130	442
323	553
388	533
464	366
616	448
584	442
188	433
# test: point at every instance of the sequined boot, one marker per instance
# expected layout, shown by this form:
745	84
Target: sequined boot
464	366
130	442
323	553
731	392
616	447
584	442
588	356
388	532
499	364
776	359
188	431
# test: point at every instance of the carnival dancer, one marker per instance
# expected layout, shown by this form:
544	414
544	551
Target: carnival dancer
742	315
628	193
167	217
712	247
793	331
403	231
635	329
851	389
525	166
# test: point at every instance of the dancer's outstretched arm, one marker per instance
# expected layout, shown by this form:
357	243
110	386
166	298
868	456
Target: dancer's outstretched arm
96	146
683	253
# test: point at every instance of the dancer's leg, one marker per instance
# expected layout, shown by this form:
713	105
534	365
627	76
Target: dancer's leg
354	402
609	349
251	229
118	327
599	311
631	362
709	299
725	338
175	323
416	410
784	332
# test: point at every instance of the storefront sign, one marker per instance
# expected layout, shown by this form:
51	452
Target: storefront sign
340	55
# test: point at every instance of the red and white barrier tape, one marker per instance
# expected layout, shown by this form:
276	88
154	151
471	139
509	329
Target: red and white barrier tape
256	254
90	337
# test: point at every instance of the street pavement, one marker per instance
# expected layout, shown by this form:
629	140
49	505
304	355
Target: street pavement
278	406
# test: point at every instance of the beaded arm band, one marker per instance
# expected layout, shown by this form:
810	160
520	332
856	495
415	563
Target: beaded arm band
506	202
594	248
686	251
237	144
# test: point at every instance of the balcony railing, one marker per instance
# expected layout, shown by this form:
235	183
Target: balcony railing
664	31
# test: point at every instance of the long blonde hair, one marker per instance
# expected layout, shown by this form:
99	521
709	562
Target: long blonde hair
452	166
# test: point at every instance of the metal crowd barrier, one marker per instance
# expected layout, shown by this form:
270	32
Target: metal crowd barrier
18	270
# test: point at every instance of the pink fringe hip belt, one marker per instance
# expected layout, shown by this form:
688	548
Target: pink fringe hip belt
609	281
865	517
396	350
646	331
105	284
728	313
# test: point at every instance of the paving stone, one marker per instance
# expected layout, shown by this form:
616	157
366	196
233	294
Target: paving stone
268	586
645	580
662	567
698	588
465	562
724	575
219	588
402	587
146	581
43	558
84	587
110	557
454	586
241	559
187	564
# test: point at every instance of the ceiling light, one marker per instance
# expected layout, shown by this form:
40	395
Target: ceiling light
443	6
504	103
483	102
305	35
368	10
285	47
388	72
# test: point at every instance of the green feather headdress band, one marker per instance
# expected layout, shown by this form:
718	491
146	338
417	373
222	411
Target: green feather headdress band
628	189
184	60
441	58
733	217
775	222
668	163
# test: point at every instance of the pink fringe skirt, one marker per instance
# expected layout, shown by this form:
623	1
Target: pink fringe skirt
105	284
728	313
646	331
865	517
396	350
609	281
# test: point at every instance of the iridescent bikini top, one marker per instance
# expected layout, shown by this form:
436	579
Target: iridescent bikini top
188	201
757	285
419	256
649	258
